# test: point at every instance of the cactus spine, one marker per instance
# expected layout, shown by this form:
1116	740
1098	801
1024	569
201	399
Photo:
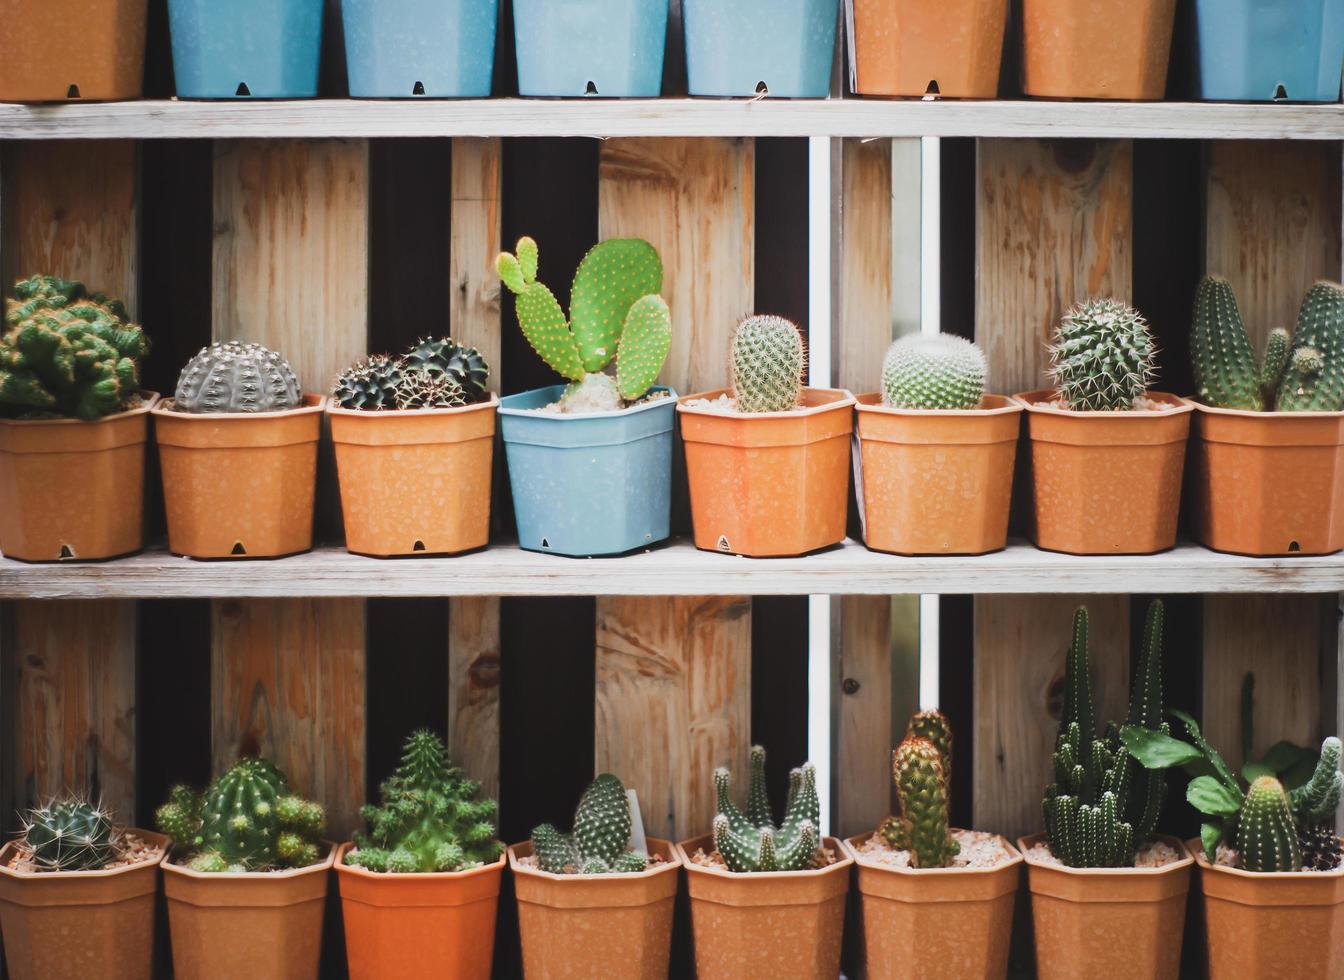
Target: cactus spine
237	377
923	776
431	374
1313	380
1102	357
70	835
1266	836
1224	363
767	364
942	371
370	384
600	843
750	841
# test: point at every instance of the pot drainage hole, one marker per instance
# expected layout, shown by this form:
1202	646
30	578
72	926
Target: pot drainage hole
545	543
72	92
1294	546
1281	93
591	89
238	549
933	87
419	89
243	91
418	546
66	552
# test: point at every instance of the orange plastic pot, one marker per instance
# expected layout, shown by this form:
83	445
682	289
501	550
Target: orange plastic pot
419	925
937	483
1118	923
775	924
1096	49
1269	483
80	925
1106	483
251	925
579	926
1272	925
415	482
951	48
49	471
72	49
238	485
769	484
906	912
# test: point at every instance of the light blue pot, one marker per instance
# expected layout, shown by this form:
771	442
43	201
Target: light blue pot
438	48
590	47
733	46
1262	50
583	485
273	47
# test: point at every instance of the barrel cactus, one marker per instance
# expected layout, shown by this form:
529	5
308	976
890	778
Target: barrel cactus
1227	374
600	843
237	377
923	777
70	835
939	371
768	361
423	389
1102	357
464	365
1313	379
751	841
369	384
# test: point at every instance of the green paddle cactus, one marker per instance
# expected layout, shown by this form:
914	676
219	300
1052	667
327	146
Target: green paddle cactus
1102	357
750	842
1266	834
600	843
768	361
1313	380
70	835
940	371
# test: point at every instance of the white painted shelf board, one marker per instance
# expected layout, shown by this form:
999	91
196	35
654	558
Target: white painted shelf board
668	117
674	569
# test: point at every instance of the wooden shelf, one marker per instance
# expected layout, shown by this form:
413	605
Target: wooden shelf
674	569
668	117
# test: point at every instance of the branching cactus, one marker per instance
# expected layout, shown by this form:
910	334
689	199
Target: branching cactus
1314	806
600	843
1266	835
768	361
1313	380
1102	357
237	377
67	352
941	371
751	841
922	784
70	835
615	313
1227	374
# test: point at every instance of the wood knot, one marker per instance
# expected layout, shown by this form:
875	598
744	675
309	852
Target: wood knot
1074	156
484	671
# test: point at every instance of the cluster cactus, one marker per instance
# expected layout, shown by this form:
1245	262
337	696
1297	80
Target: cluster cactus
600	843
940	371
67	353
237	377
751	841
431	817
768	361
246	820
70	835
1102	357
616	315
922	769
433	373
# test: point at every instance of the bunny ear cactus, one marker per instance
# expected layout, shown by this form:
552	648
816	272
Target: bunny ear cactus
1102	357
1313	380
767	364
70	835
600	843
750	841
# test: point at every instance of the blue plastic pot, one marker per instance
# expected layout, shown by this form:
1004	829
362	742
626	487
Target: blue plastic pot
1263	50
226	49
742	47
598	484
439	48
590	47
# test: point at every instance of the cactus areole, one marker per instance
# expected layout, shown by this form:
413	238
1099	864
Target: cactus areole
600	843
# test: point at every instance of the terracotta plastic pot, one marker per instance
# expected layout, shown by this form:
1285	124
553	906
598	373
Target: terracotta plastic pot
1106	483
48	471
415	482
238	485
1269	483
951	48
937	483
776	924
1118	923
769	484
1272	926
72	49
1096	49
419	925
906	912
579	926
80	925
264	925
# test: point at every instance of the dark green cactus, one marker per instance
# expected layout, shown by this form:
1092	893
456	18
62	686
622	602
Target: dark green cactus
67	352
600	843
462	364
70	835
1317	800
750	841
370	384
237	377
1224	363
1266	834
1313	380
424	389
942	371
922	783
768	361
1102	357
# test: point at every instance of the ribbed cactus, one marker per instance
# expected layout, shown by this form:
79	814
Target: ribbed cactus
1102	356
70	835
431	374
67	352
750	841
370	384
615	313
1266	834
940	371
463	364
1224	363
237	377
600	843
422	389
768	361
1313	380
431	817
922	784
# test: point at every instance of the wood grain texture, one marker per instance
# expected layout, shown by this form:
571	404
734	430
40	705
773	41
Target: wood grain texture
863	301
474	688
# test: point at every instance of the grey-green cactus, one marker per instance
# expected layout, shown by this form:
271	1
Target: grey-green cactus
600	843
1266	834
70	835
750	842
237	377
1102	357
768	361
1313	380
1227	374
939	371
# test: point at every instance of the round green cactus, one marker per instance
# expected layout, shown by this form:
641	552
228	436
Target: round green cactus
1102	357
237	377
1266	834
463	364
370	384
423	389
941	371
767	364
70	835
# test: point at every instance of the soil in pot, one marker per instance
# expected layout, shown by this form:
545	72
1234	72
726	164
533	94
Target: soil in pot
1099	49
950	48
72	49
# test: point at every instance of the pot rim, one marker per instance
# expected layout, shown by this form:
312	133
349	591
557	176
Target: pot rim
349	869
1195	848
674	863
313	404
332	408
533	413
1024	844
843	862
323	864
1008	407
846	401
149	399
1031	401
159	840
1246	413
1015	858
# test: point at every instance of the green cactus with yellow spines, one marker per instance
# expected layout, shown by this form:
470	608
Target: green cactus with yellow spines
922	786
933	726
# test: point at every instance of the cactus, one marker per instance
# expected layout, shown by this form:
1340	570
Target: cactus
1266	834
70	835
465	365
751	842
1317	800
1224	363
237	377
922	781
370	384
767	364
1313	380
600	843
246	820
934	727
67	353
423	389
1102	357
430	818
942	371
615	313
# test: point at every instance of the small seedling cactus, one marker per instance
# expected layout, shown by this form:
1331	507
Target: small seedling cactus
1102	357
768	361
600	843
237	377
750	842
922	769
70	835
940	371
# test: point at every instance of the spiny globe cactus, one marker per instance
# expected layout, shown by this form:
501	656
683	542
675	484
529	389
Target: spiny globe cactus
600	843
464	365
370	384
939	371
70	835
1313	380
67	353
923	777
1102	357
237	377
431	817
1224	363
421	389
750	841
1266	834
768	361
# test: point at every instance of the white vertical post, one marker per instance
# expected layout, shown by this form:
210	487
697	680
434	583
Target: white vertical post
930	322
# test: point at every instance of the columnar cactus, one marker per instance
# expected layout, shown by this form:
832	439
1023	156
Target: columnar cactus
1313	380
600	843
768	362
67	352
1102	357
1224	363
237	377
750	841
70	835
1266	834
922	779
940	371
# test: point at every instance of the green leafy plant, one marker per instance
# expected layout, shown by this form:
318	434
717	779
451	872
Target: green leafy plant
940	371
768	361
70	835
431	374
922	769
751	841
600	843
1102	357
1290	763
237	377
